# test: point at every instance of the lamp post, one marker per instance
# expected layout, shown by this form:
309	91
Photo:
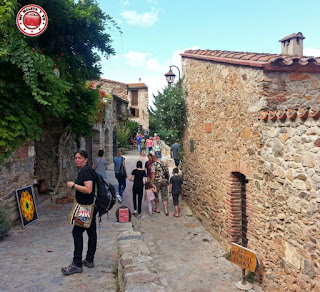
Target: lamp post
170	76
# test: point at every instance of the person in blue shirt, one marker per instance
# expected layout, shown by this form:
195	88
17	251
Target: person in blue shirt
139	138
118	160
100	165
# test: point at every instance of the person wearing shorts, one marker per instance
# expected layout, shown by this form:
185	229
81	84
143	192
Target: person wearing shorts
175	187
158	176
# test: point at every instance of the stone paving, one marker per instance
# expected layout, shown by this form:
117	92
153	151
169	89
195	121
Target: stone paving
186	256
31	258
163	253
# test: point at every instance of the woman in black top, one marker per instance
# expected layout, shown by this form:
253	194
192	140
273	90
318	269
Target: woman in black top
137	176
85	189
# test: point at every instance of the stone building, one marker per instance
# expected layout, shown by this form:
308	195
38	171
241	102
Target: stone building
138	104
131	101
136	94
252	163
105	133
16	172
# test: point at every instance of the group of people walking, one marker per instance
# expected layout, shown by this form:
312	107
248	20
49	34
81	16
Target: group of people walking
147	144
153	176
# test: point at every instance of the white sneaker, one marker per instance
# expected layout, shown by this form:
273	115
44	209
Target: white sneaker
120	198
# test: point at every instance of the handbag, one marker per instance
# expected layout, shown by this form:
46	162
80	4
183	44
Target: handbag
122	171
81	215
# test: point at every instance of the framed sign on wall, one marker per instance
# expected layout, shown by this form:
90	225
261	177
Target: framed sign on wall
27	205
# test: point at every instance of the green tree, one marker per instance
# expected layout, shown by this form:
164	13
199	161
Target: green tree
167	118
30	92
133	127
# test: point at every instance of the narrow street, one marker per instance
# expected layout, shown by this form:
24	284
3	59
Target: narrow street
186	256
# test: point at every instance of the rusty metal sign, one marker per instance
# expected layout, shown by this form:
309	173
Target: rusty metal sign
243	257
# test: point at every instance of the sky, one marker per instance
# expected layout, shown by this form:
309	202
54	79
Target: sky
156	32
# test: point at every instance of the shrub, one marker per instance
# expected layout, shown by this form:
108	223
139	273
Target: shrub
133	127
123	137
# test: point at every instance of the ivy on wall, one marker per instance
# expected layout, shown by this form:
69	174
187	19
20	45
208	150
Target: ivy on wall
31	93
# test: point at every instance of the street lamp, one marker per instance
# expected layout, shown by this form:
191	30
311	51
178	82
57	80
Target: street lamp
170	76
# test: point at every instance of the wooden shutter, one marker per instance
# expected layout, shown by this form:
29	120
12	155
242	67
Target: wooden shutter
134	97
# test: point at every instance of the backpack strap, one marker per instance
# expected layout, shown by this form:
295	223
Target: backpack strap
98	163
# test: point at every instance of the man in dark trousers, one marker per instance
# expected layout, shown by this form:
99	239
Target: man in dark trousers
175	149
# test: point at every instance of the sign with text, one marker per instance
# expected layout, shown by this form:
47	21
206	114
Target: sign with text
243	257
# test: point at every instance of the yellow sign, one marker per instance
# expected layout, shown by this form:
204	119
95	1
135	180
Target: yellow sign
244	258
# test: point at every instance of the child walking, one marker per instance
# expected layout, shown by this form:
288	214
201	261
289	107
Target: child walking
137	176
175	187
149	195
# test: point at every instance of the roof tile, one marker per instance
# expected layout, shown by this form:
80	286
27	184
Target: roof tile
263	60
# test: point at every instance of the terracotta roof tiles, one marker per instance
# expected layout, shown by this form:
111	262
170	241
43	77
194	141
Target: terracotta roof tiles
137	85
265	61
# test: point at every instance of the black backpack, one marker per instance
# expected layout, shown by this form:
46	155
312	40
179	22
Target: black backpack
105	196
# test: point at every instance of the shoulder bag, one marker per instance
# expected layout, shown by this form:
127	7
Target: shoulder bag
122	170
81	215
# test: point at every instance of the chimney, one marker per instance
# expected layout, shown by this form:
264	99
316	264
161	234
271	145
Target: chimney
292	44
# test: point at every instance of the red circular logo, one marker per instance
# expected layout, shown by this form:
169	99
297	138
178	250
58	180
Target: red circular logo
32	20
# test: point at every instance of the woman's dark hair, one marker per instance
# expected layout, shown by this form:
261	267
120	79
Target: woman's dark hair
100	153
148	185
139	164
82	153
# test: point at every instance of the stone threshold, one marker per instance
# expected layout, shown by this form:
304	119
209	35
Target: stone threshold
136	269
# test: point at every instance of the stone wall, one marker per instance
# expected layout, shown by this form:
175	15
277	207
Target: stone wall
225	136
113	87
46	160
16	171
122	90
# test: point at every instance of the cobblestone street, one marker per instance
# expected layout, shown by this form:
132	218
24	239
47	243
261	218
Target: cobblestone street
185	256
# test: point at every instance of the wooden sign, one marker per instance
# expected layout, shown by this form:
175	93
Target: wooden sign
243	257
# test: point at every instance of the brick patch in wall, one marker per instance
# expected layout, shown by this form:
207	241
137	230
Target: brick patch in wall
237	208
23	152
208	127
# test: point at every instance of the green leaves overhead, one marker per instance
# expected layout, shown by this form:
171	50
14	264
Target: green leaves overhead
30	92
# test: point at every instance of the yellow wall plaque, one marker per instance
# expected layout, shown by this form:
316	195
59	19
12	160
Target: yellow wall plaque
243	257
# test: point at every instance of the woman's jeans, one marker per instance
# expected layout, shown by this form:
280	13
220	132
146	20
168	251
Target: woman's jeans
122	183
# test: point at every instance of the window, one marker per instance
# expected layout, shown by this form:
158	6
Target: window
134	97
134	112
